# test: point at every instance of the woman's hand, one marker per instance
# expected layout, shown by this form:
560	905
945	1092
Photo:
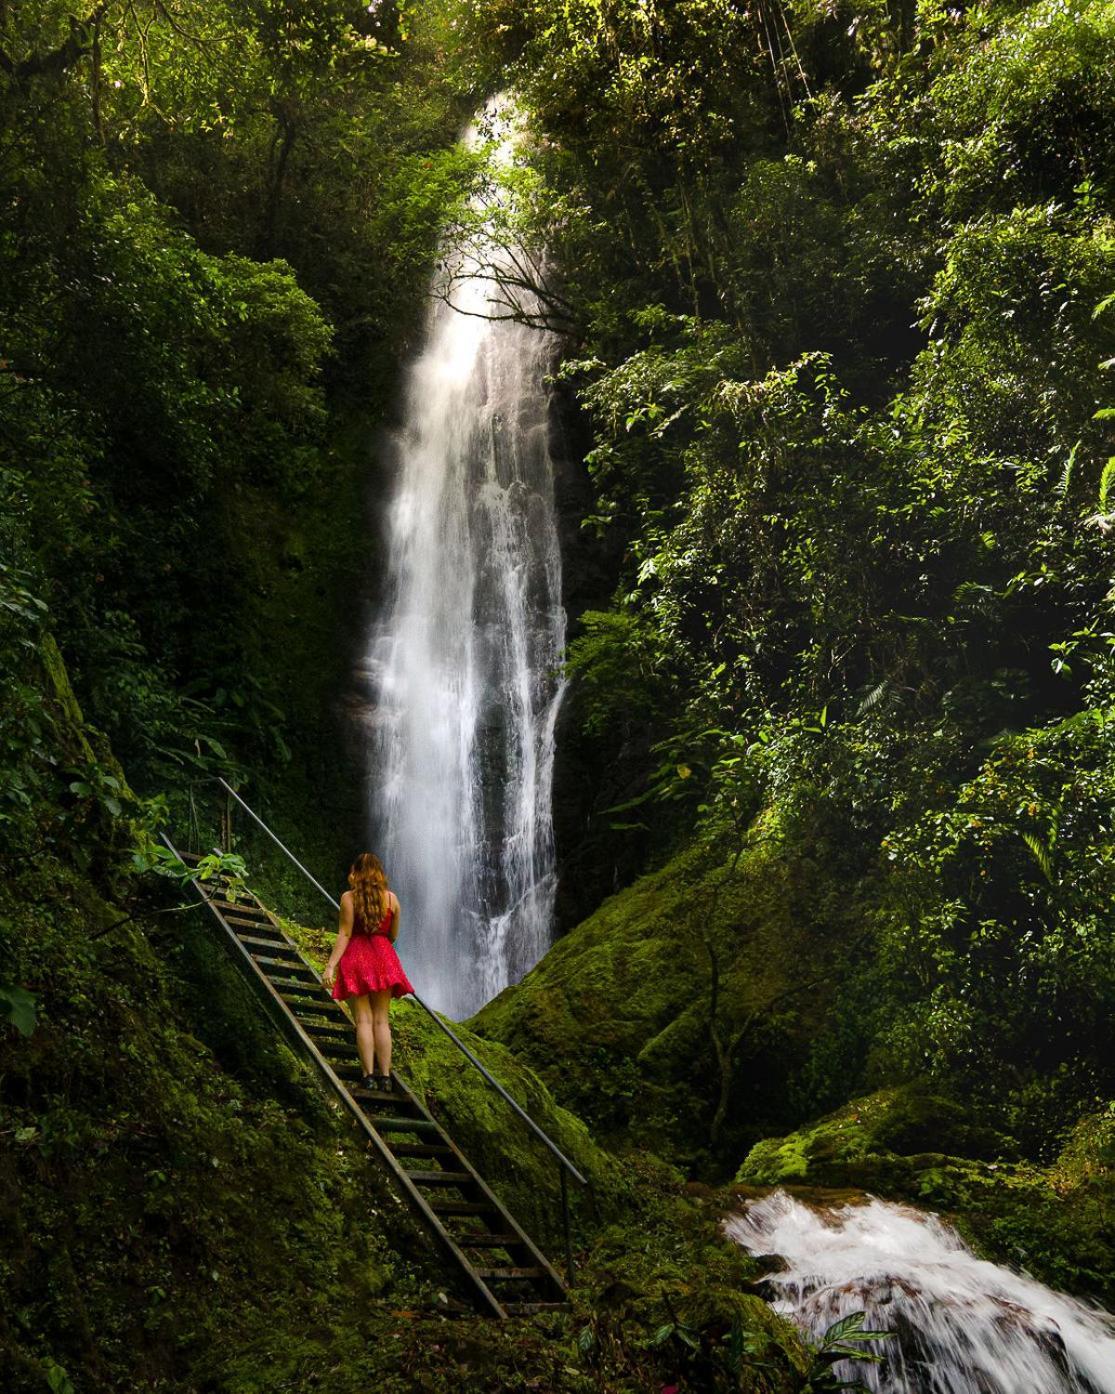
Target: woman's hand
344	934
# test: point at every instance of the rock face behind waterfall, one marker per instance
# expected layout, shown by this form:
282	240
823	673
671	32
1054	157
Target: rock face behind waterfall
615	1017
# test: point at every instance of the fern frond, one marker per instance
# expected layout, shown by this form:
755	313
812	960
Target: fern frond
1105	482
1041	854
1066	474
873	698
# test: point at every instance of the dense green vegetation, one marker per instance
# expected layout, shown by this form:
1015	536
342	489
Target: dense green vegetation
837	766
840	284
216	231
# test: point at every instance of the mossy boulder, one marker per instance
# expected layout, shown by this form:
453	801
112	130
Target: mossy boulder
848	1145
1057	1222
616	1017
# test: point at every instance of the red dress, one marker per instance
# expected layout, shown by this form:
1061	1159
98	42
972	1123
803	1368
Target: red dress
370	963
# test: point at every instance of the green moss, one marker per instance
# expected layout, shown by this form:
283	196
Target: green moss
183	1209
898	1120
615	1018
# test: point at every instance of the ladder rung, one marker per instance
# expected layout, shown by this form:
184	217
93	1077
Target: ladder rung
526	1309
421	1149
368	1097
463	1207
515	1273
481	1239
442	1178
289	965
329	1029
405	1125
307	1012
242	908
278	945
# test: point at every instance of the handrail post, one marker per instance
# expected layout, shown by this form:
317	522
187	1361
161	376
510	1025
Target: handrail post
226	823
570	1269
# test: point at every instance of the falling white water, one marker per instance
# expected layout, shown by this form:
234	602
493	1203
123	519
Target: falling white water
464	659
963	1325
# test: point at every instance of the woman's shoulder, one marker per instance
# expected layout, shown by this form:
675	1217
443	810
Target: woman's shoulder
346	897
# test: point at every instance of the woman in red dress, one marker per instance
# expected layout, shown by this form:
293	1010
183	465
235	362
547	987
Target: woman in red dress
364	968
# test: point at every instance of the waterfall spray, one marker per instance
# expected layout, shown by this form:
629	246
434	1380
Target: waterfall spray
463	661
962	1325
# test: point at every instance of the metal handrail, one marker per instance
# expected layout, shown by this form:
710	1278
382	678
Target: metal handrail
539	1133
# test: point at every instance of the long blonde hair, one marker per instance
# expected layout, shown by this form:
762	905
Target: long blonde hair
368	883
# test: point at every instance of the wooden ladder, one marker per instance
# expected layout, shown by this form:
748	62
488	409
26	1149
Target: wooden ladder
503	1270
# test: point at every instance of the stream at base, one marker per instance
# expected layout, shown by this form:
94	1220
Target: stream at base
962	1325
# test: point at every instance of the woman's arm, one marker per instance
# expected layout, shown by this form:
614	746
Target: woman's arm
344	934
393	927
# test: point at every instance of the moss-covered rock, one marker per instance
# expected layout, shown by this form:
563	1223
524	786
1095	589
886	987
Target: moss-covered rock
616	1017
850	1142
907	1144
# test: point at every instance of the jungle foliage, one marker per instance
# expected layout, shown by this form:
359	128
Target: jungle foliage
839	280
215	231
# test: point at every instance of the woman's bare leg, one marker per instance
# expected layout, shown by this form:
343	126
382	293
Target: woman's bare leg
379	1004
365	1033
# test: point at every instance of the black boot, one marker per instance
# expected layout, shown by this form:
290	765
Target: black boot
383	1082
371	1082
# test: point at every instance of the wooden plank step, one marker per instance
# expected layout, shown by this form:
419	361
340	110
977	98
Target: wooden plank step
288	965
483	1239
405	1125
442	1178
240	907
319	1005
340	1023
511	1273
279	946
374	1097
462	1207
279	955
526	1309
294	994
332	1029
421	1149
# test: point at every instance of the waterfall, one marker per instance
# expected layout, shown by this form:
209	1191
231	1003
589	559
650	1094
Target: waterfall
463	661
962	1325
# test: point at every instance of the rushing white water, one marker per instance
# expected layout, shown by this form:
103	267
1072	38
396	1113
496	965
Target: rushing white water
464	659
963	1325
